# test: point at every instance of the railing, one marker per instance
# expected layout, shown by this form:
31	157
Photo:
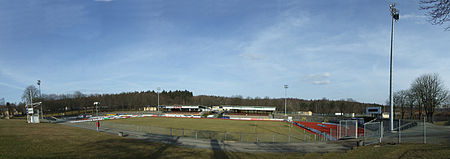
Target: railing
214	135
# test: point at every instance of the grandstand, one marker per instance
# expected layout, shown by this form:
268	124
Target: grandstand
247	111
184	109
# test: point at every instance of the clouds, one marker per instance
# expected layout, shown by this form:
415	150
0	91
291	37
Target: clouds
252	56
413	16
318	79
267	53
417	19
321	49
321	82
11	86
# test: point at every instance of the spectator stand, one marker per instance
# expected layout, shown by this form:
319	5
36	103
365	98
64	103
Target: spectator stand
248	111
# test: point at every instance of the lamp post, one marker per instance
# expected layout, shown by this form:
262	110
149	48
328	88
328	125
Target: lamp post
285	98
98	120
40	97
31	106
96	107
158	89
395	16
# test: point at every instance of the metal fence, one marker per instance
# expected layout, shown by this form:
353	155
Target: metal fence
373	133
212	135
348	129
418	131
406	131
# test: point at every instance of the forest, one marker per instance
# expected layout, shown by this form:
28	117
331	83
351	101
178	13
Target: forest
54	103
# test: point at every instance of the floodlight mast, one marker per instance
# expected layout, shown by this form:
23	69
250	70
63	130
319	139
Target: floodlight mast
96	107
40	96
31	105
98	120
395	16
285	98
158	89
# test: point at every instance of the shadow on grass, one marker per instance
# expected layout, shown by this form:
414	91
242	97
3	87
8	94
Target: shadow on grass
217	150
160	151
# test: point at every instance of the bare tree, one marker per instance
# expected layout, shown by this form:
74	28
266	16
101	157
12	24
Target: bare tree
438	11
78	94
447	102
2	101
30	92
430	93
401	100
411	101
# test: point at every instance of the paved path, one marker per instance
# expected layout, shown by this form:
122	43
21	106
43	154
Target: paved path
320	147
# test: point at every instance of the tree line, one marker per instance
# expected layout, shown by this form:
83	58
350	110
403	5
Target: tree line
427	93
54	103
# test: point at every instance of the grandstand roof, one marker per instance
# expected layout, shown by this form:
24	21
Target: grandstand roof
265	108
182	106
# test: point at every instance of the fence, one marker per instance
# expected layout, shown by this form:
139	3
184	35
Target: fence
406	131
348	129
373	133
212	135
419	131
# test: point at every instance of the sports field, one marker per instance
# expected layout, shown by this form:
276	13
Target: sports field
237	130
21	140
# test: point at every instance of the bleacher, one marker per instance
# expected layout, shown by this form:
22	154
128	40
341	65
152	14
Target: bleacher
261	112
331	129
184	113
248	114
322	127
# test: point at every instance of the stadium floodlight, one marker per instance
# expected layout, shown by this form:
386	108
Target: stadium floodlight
96	107
98	120
40	96
395	16
394	12
285	98
158	89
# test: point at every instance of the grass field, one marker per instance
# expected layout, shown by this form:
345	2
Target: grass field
262	127
247	131
21	140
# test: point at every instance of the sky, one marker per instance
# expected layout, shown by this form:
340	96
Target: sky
332	49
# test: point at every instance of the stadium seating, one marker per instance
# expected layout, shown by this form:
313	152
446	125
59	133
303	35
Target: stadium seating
184	113
328	128
248	114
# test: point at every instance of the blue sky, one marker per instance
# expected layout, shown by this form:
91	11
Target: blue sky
332	49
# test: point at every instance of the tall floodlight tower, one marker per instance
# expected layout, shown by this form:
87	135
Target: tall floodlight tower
158	89
97	123
395	16
31	105
40	97
285	98
96	107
